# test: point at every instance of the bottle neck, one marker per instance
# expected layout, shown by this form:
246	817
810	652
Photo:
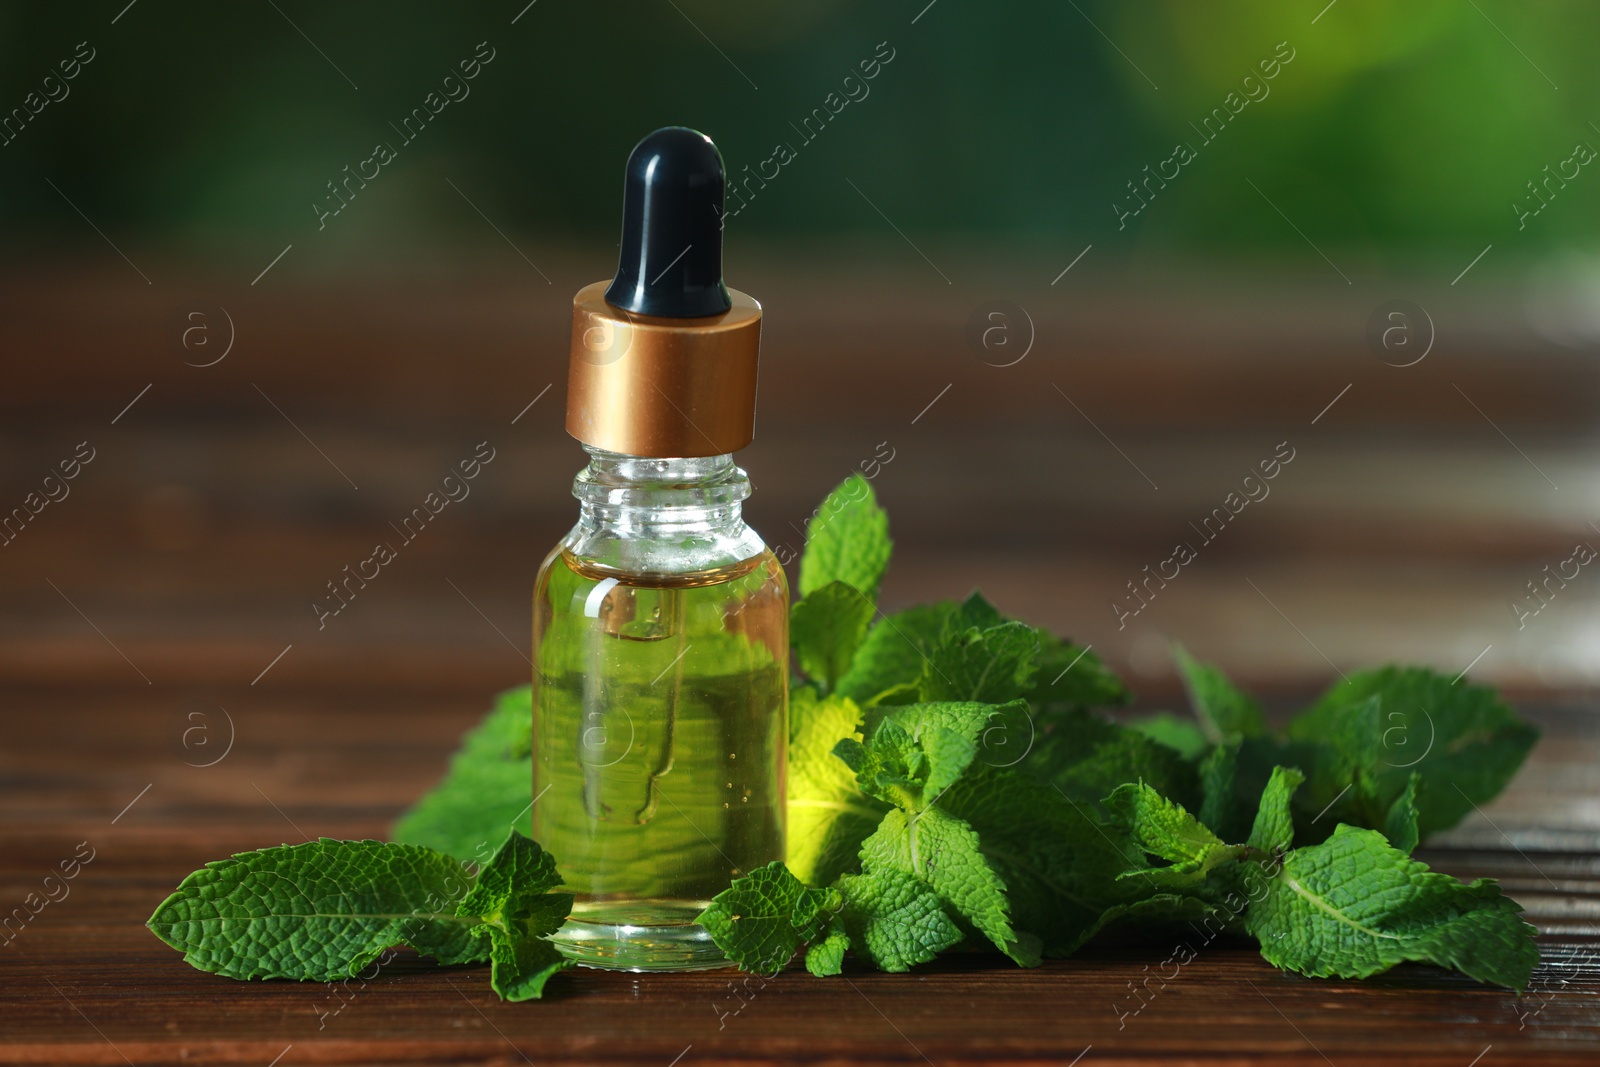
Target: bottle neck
648	515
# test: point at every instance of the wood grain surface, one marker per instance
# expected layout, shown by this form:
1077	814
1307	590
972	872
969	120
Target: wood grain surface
84	982
168	697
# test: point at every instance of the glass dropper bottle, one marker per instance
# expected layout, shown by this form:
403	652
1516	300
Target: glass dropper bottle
660	622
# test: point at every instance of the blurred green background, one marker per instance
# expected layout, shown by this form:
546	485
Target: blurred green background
1402	129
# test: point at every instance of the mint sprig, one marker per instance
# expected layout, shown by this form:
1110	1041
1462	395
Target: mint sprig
1093	825
847	540
953	784
324	910
1354	906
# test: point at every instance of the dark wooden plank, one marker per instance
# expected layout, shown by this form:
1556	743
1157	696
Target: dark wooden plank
85	983
455	335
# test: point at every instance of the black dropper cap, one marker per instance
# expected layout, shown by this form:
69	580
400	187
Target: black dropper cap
671	259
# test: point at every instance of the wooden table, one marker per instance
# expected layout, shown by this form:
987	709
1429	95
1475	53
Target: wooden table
84	982
170	592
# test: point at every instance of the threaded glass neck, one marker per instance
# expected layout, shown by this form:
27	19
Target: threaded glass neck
642	514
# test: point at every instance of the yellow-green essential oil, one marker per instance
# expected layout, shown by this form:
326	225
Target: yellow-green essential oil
661	621
658	748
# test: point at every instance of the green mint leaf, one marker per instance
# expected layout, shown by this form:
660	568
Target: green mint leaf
893	919
1166	830
1224	710
1345	761
521	960
321	911
975	612
970	719
1086	757
1252	760
514	881
1354	906
1182	735
942	852
992	665
912	757
826	957
829	816
847	540
512	900
1217	806
1400	824
826	628
486	792
908	770
1072	676
1274	826
1059	863
915	751
896	651
1151	916
1462	740
763	918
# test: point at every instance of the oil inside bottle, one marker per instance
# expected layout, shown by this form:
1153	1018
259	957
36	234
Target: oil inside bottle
659	736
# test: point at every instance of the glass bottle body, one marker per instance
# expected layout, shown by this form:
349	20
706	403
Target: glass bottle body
660	695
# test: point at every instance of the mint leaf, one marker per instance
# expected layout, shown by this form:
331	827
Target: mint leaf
899	650
908	770
1224	710
1059	863
1354	906
992	665
321	911
915	751
896	651
942	852
1344	783
829	816
1165	830
975	612
1181	734
1143	918
826	957
765	916
827	627
513	882
512	900
1217	806
1274	826
521	960
968	718
1071	676
1400	824
847	540
892	918
487	790
1462	739
913	755
1086	757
